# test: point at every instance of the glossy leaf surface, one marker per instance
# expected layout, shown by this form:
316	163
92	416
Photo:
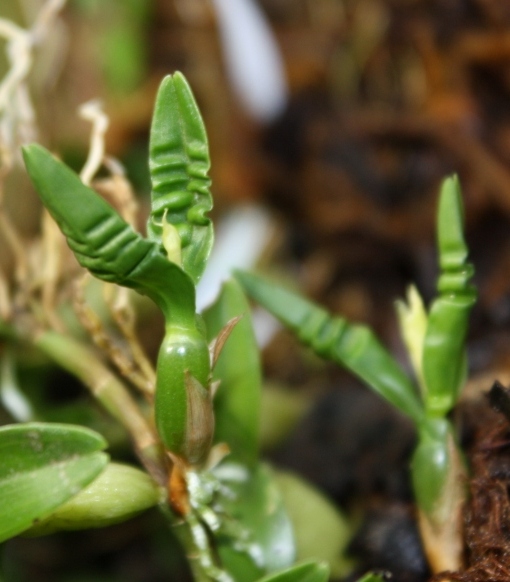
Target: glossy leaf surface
432	464
119	493
44	465
261	538
104	243
183	403
238	399
334	338
305	572
444	344
179	163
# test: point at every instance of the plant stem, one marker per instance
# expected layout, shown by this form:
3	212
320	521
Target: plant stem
82	362
184	535
439	482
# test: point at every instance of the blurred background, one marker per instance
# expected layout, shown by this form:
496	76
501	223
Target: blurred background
331	124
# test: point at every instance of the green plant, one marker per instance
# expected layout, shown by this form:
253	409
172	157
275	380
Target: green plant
229	515
436	347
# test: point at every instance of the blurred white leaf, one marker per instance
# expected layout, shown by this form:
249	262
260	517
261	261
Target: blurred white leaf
253	59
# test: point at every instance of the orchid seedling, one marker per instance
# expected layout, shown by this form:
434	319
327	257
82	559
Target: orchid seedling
228	514
436	343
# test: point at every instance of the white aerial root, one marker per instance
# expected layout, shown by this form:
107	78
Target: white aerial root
17	117
92	111
139	370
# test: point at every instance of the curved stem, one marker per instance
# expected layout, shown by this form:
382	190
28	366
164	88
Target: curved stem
192	536
82	362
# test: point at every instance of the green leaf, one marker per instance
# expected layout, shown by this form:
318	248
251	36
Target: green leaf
334	338
238	400
320	530
179	163
260	538
43	465
104	243
444	362
119	493
305	572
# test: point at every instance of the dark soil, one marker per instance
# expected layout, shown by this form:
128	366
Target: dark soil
487	516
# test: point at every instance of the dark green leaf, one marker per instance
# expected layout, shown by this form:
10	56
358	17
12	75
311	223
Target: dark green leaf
43	465
238	400
260	538
334	338
305	572
179	162
104	243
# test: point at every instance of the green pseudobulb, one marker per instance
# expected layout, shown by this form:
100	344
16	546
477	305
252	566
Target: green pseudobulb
183	406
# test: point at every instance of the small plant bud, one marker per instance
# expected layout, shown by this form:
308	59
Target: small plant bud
171	241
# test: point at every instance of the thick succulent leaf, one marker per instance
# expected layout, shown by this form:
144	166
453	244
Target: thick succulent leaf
320	530
258	538
334	338
305	572
238	400
44	465
179	162
103	242
444	363
119	493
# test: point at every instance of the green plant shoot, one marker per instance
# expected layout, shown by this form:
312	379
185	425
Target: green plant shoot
166	267
437	466
111	250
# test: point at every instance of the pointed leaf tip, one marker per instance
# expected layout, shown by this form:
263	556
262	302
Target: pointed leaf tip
450	224
179	164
